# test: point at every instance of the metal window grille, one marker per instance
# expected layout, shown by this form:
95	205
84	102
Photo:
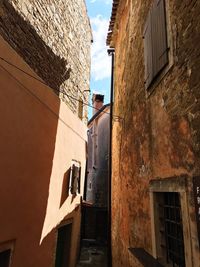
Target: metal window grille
173	230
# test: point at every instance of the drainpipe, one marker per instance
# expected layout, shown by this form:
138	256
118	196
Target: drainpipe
111	52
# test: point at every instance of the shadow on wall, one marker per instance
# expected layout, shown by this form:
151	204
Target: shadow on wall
29	120
65	186
27	43
30	132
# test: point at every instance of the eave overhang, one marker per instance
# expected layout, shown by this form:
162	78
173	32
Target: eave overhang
112	21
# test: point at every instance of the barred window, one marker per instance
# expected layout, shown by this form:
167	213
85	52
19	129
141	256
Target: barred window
171	229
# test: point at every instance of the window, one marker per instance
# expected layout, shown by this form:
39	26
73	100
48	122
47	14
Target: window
156	50
75	178
5	258
171	229
171	236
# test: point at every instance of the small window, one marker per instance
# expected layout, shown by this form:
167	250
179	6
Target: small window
75	178
155	42
171	229
5	258
171	232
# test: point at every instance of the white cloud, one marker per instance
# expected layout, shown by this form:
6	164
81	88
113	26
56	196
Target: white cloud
101	62
107	2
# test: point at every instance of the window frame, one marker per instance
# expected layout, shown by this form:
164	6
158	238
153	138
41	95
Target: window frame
173	184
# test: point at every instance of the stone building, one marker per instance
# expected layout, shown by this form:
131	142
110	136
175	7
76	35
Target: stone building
156	160
98	150
44	54
54	38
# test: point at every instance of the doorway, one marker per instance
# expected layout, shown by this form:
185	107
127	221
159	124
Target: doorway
63	246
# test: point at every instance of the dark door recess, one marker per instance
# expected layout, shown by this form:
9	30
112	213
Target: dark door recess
63	246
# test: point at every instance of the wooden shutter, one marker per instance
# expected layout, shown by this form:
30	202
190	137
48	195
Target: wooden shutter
79	180
75	179
159	37
72	179
148	51
155	42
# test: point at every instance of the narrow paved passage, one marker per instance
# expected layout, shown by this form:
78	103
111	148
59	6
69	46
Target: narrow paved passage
92	255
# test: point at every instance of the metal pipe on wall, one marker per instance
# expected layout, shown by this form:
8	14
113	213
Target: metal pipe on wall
111	52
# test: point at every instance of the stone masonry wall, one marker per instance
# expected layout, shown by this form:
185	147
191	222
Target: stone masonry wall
54	38
160	133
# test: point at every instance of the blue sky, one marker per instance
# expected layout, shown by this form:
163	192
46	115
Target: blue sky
99	12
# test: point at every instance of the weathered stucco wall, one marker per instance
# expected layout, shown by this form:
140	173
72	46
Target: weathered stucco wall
97	167
159	136
54	38
40	136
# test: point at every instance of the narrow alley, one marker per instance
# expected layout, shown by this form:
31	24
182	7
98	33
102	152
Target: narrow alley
100	133
92	255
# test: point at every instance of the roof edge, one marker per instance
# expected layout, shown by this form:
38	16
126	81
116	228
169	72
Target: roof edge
112	21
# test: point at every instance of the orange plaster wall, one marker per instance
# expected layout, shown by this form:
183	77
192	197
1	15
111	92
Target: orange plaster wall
39	138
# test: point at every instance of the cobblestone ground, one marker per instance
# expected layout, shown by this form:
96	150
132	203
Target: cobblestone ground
94	256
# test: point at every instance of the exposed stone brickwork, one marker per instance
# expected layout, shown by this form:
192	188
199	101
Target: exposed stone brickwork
54	38
160	134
